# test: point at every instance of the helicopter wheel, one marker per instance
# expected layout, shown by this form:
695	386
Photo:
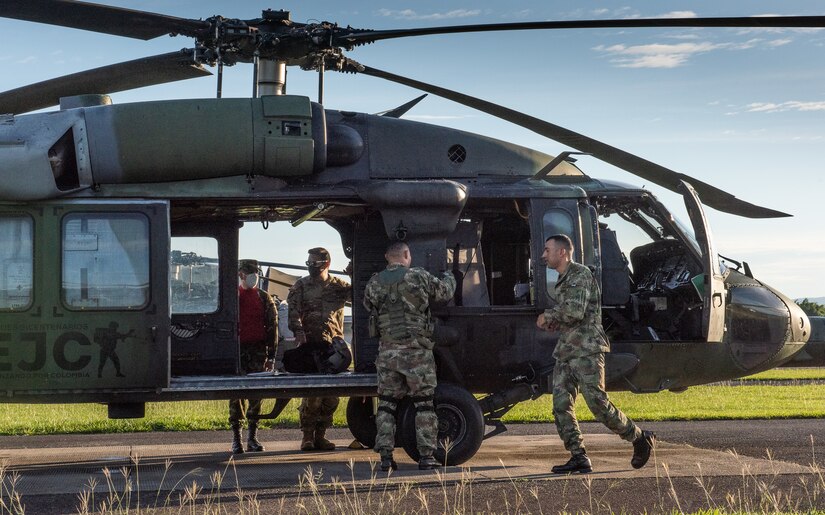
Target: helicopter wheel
460	426
361	420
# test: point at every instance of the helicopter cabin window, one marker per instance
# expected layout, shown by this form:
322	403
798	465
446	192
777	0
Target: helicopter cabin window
556	221
490	253
105	261
17	259
194	278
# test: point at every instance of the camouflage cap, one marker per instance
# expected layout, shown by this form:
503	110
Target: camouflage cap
248	266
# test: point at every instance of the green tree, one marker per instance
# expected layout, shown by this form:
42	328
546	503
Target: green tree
812	308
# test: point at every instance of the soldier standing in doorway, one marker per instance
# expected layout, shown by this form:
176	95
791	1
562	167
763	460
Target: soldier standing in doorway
316	317
258	339
400	298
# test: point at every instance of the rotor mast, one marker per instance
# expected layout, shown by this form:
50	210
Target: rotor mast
270	78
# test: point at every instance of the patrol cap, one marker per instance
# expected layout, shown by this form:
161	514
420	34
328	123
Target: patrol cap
248	266
321	252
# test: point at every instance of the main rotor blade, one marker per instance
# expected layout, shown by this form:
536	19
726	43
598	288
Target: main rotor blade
745	21
648	170
100	18
139	73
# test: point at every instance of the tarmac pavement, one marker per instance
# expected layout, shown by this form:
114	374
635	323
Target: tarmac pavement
53	470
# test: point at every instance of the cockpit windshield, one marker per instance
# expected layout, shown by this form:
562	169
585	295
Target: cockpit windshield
642	220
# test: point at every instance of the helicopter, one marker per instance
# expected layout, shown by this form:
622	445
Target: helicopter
96	196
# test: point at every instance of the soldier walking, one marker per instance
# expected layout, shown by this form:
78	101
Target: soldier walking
579	358
400	298
316	317
258	339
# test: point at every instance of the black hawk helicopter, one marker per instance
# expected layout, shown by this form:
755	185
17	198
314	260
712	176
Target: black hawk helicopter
94	196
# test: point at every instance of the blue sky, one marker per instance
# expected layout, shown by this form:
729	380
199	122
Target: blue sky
741	109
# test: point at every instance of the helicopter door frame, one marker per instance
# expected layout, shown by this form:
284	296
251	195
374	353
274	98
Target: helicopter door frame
543	227
713	285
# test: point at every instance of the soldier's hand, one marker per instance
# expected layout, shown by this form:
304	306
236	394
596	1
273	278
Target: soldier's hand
300	338
541	322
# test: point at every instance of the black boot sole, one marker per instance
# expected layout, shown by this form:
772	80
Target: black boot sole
569	472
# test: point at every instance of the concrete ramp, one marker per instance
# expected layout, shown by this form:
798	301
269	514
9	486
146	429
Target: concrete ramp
176	466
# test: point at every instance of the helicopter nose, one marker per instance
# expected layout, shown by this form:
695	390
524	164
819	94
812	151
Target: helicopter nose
766	328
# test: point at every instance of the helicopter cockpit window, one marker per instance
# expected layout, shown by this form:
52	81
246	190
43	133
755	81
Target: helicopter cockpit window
556	221
193	277
16	260
648	266
105	261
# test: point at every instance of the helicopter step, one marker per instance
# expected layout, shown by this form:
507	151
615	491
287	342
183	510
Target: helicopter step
271	385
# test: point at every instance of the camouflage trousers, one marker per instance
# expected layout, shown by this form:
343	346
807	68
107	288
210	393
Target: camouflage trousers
316	412
400	373
585	375
252	359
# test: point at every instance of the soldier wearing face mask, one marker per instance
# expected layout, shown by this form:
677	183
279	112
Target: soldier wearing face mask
316	317
258	339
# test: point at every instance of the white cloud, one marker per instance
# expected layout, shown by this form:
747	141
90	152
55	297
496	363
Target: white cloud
26	60
409	14
792	105
524	13
656	55
661	55
678	14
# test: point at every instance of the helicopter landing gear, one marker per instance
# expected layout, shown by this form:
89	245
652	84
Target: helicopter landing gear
460	426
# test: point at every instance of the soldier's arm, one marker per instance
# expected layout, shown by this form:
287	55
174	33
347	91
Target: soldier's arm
271	327
368	296
442	289
344	291
295	301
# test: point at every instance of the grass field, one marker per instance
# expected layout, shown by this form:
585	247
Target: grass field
788	374
698	403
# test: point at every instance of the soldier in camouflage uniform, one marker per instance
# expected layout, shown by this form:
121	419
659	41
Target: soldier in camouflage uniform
400	298
258	339
316	316
579	358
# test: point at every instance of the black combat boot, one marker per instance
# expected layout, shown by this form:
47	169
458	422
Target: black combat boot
252	443
578	463
641	449
237	448
387	463
427	463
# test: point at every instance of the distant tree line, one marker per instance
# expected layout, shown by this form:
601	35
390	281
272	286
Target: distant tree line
812	308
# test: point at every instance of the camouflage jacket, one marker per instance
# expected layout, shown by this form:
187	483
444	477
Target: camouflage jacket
578	314
316	307
401	299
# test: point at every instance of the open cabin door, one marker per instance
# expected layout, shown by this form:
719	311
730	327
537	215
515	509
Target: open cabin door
84	299
713	285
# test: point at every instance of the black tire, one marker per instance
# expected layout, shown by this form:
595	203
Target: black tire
460	422
361	420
